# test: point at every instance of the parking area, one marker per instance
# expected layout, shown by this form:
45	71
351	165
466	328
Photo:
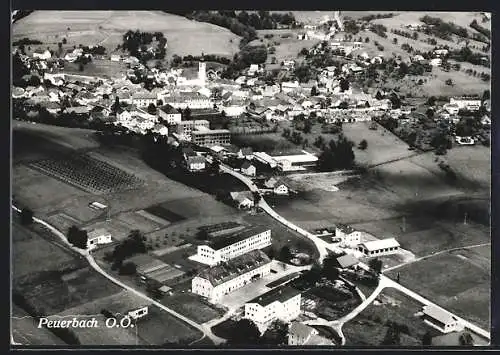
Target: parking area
239	297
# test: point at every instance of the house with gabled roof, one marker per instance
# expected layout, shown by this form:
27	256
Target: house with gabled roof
302	334
277	186
248	169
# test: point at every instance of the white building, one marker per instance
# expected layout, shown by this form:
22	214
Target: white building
436	62
440	319
220	280
465	103
225	248
196	163
144	99
277	186
452	109
301	334
248	169
98	237
296	162
281	303
346	236
193	100
244	199
379	247
44	55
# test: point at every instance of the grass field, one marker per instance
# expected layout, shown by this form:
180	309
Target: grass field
368	328
467	279
192	306
107	28
98	67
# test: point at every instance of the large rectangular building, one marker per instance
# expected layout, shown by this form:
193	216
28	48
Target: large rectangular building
227	247
281	303
185	128
207	138
379	247
220	280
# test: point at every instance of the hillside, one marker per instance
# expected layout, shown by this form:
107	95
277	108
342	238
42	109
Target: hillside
107	27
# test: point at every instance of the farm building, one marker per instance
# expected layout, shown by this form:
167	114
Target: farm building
138	313
98	237
248	169
276	186
346	236
302	334
195	163
244	199
220	280
224	248
281	303
379	247
154	271
347	261
441	319
296	162
466	103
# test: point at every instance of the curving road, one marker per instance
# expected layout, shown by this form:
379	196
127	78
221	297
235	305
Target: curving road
323	248
207	332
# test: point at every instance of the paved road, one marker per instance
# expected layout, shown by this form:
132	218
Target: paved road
90	259
323	248
435	254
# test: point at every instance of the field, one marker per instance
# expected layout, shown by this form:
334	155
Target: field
87	173
107	28
286	44
466	274
192	306
369	329
98	67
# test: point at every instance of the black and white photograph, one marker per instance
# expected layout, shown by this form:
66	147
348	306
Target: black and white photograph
247	179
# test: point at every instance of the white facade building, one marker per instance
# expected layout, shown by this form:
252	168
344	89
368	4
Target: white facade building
220	280
228	247
440	319
281	303
169	114
138	313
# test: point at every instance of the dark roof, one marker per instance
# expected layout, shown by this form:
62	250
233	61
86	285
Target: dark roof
246	164
235	267
169	109
227	240
195	159
280	294
247	151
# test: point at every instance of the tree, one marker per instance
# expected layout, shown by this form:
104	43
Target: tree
379	96
319	142
81	67
64	41
466	339
26	216
276	334
285	254
363	144
307	126
376	265
245	332
128	268
431	101
486	95
314	91
427	339
256	198
187	113
449	82
329	269
344	84
393	335
395	40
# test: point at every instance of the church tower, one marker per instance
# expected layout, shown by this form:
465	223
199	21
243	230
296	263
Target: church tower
202	72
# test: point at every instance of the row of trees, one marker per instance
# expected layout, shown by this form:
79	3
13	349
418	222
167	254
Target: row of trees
133	244
441	29
136	42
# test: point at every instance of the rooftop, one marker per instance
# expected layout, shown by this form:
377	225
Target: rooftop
345	228
439	314
301	330
235	267
347	260
97	233
279	294
227	240
210	131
